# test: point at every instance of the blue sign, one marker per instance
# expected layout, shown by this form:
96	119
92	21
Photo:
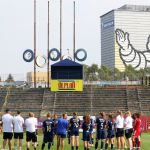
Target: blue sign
108	24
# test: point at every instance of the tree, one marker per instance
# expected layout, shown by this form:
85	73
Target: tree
105	73
117	75
10	78
131	73
86	72
93	72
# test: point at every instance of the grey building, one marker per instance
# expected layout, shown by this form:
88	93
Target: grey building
124	37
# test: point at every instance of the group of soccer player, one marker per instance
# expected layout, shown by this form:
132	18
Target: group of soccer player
14	125
107	126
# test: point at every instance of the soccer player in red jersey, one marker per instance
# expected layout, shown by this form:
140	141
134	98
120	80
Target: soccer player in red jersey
137	131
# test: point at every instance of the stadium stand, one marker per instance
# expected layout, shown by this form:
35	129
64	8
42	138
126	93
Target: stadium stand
133	101
3	93
109	100
92	100
25	101
144	96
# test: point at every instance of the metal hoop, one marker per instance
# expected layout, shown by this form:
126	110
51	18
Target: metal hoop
31	54
38	62
78	51
58	54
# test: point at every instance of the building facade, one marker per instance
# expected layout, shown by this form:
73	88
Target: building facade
125	37
41	79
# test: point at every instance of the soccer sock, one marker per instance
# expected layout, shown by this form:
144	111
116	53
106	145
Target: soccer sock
96	145
77	147
43	145
27	148
68	140
134	144
72	147
102	144
85	148
139	143
112	146
49	146
92	141
106	146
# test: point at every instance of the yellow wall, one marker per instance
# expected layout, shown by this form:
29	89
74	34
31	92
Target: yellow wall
40	76
118	62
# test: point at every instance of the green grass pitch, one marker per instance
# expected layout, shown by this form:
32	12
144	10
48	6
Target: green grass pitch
145	140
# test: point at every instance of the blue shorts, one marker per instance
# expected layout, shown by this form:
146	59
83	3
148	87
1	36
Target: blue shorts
74	132
101	135
63	136
86	136
110	134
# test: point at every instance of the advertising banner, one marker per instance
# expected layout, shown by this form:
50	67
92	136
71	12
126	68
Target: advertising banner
67	85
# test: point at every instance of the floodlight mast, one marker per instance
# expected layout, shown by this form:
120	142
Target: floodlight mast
74	31
34	43
48	62
60	29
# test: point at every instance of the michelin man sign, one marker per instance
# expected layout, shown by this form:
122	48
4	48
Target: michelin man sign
129	54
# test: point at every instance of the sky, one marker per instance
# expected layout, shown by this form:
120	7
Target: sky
16	30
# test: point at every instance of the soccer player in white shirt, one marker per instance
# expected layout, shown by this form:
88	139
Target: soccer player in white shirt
36	130
7	123
119	122
128	124
18	122
31	130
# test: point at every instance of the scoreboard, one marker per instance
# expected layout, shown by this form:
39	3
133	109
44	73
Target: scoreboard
66	75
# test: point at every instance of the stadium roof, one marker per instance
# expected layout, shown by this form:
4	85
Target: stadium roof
140	8
66	62
134	8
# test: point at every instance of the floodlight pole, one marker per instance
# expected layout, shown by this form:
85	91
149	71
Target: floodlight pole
48	76
60	29
74	30
34	43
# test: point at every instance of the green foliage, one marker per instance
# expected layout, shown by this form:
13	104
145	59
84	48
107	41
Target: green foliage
10	78
96	73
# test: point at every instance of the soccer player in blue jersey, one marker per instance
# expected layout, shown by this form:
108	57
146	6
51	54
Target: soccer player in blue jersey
110	131
61	131
48	130
100	125
74	131
87	127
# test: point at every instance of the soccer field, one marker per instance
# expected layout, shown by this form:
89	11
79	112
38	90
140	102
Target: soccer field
145	138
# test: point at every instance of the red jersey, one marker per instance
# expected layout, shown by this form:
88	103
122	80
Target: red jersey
137	128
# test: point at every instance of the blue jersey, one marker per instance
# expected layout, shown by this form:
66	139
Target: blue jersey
62	126
110	125
100	123
87	127
48	126
74	123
